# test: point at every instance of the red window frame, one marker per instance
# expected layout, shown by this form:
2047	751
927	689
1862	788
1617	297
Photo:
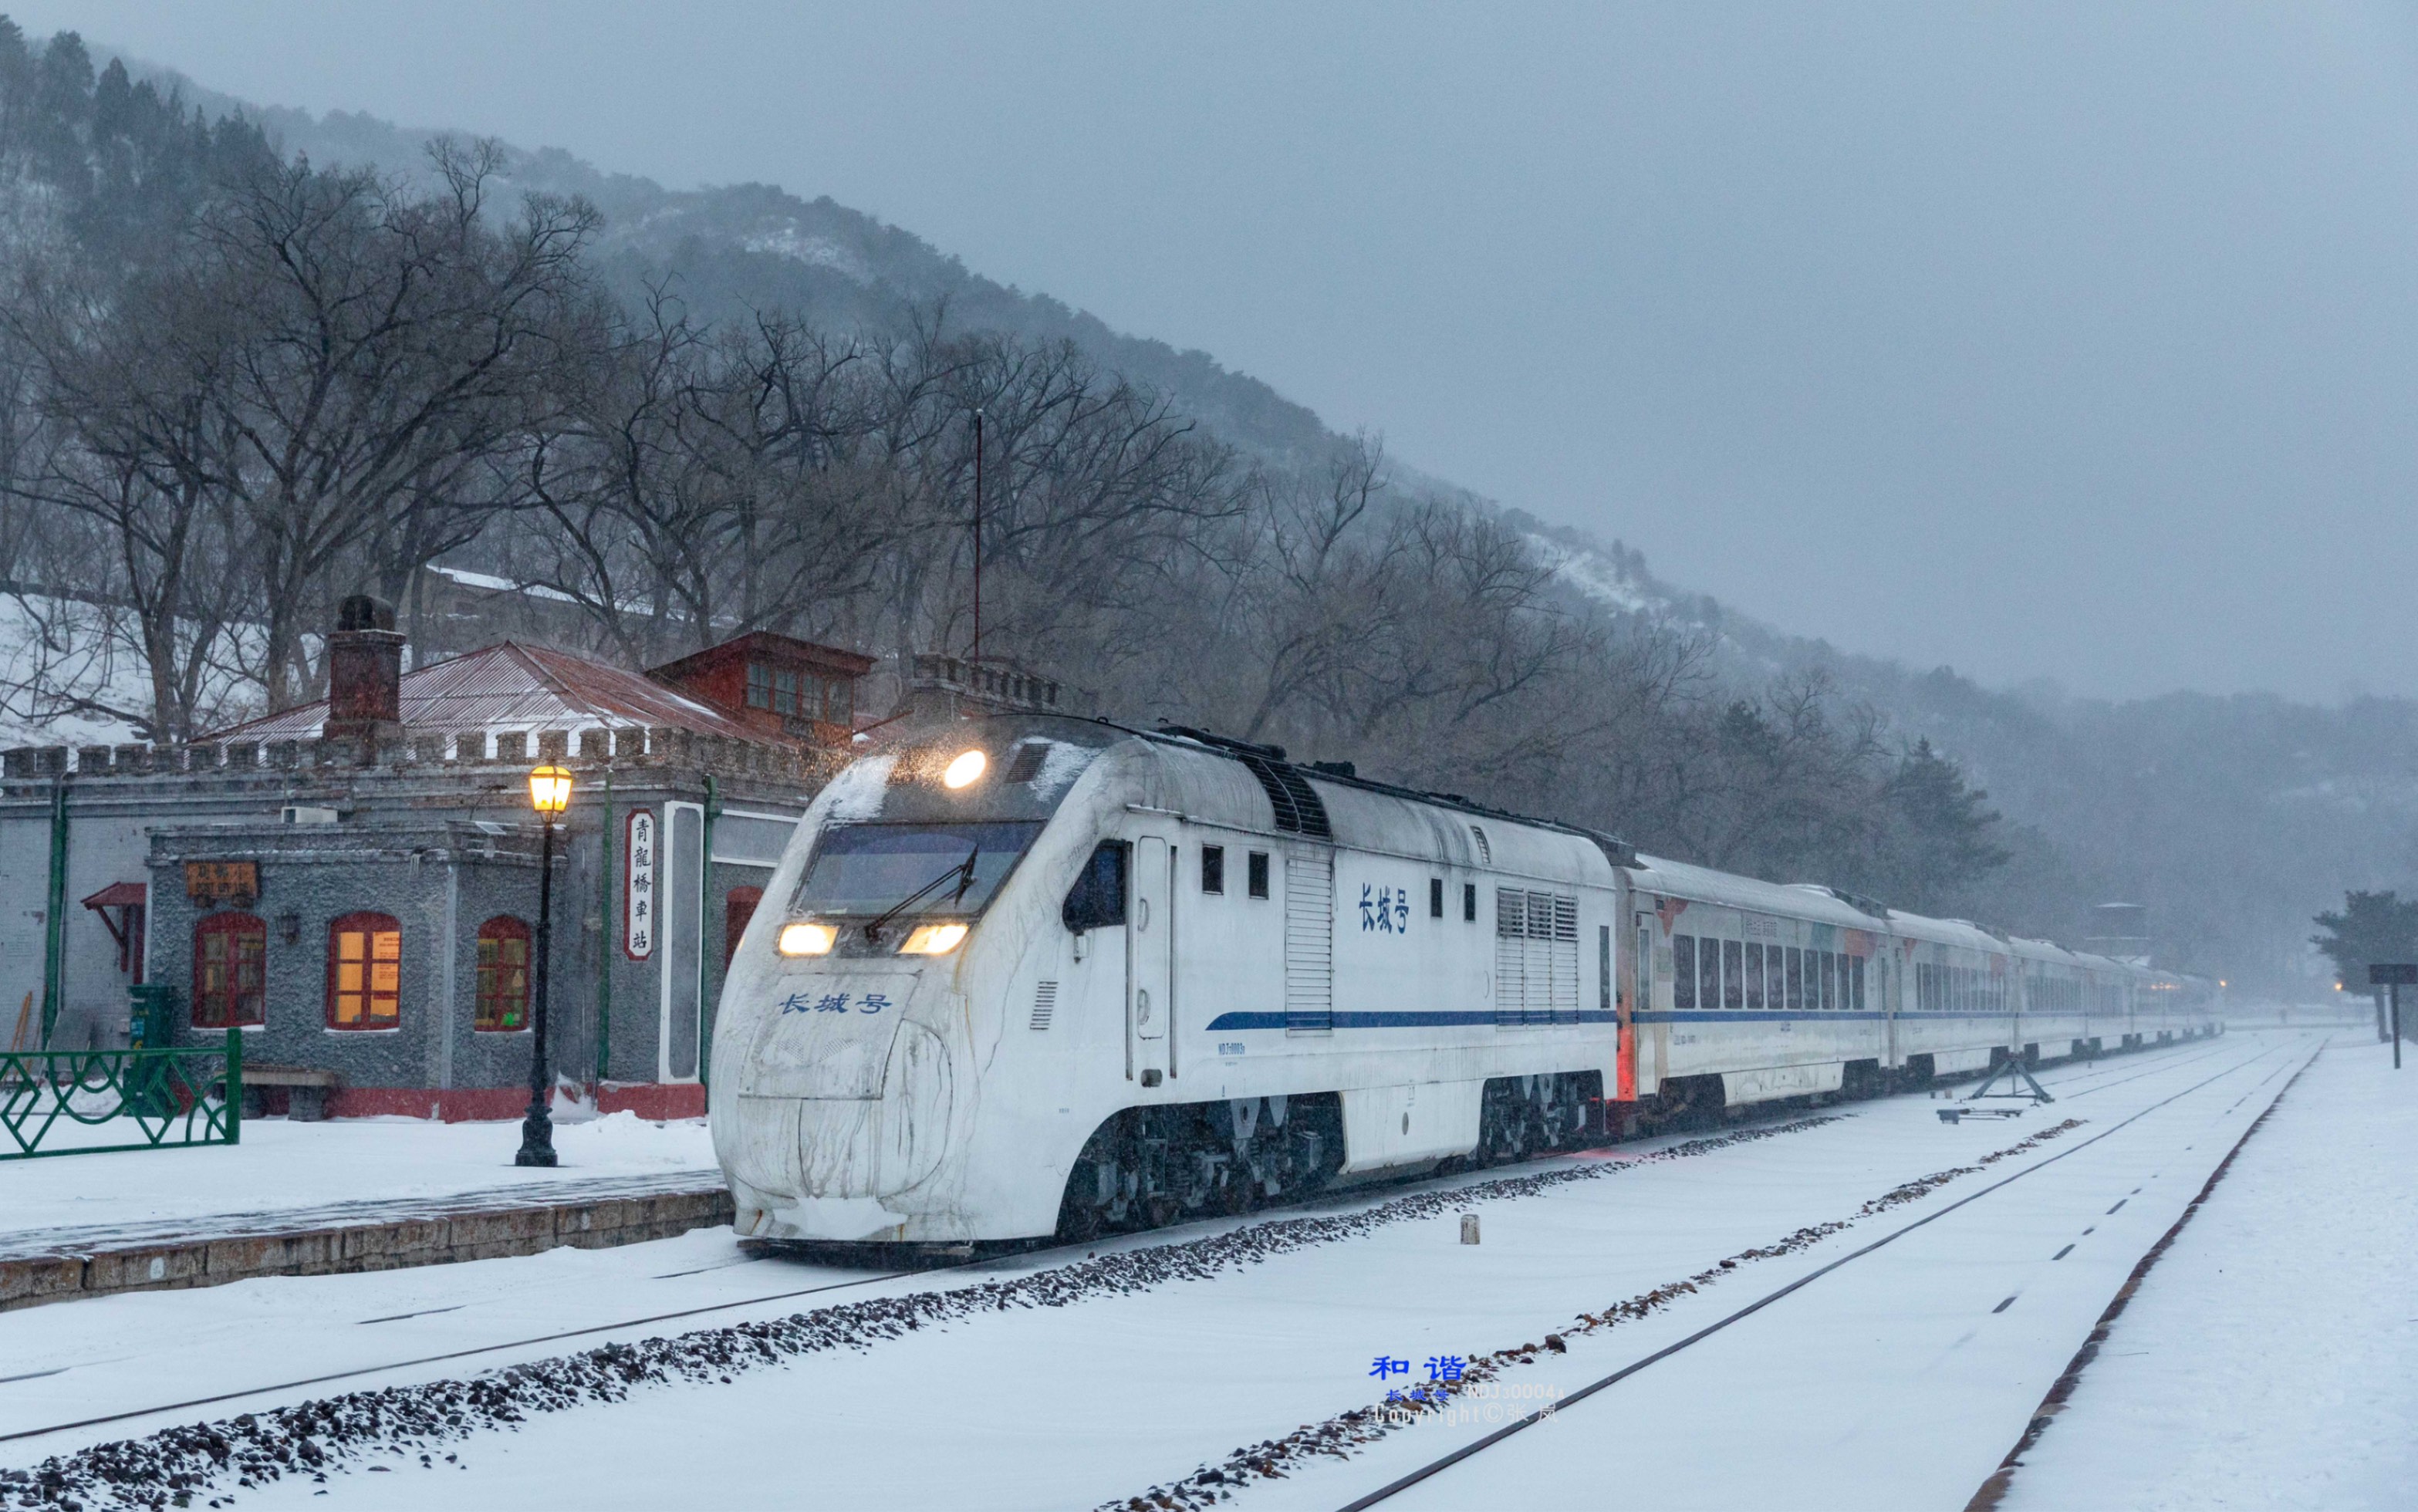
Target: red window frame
230	971
738	906
503	996
369	998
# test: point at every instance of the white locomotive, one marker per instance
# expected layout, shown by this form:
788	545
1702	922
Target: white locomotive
1040	975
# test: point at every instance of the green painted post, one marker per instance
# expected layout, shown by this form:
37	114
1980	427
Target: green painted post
609	910
705	937
234	1086
54	913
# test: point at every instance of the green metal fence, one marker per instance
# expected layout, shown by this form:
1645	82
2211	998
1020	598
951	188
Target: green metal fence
85	1102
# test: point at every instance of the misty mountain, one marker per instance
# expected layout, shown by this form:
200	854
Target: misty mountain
2235	818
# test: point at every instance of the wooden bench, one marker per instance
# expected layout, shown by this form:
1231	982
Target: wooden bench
307	1089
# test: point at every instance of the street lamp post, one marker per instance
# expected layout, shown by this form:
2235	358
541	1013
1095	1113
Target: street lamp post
549	794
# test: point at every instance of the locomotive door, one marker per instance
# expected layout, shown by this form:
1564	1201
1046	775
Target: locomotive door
1149	956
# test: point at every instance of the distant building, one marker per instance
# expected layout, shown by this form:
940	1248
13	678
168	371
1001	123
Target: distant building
353	883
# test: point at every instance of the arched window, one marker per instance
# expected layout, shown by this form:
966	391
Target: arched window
365	971
503	975
738	906
230	971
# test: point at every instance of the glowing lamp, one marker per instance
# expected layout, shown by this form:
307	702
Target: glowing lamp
933	940
549	789
966	769
806	939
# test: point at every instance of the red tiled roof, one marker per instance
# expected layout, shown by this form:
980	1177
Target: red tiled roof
515	687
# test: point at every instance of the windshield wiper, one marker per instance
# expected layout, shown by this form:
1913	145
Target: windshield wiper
963	872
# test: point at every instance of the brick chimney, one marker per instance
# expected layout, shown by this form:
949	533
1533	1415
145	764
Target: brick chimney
365	674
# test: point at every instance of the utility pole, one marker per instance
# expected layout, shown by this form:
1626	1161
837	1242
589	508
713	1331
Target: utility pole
978	503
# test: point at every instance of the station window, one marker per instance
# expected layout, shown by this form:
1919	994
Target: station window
1213	869
503	976
230	971
365	971
1436	897
1256	870
759	685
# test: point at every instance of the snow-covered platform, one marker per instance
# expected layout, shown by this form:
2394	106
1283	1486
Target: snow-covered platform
302	1198
2270	1358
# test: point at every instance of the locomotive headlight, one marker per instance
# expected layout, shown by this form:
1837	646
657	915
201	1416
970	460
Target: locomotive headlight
806	939
965	771
933	940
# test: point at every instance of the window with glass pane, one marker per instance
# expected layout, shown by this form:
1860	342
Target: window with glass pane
1754	975
759	685
365	971
503	976
1683	970
230	971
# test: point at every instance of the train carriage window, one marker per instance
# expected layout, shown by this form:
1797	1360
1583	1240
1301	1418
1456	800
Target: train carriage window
1796	979
1775	987
1856	968
1602	965
1436	897
1469	902
1257	870
1213	869
1683	970
1754	975
1829	976
1733	976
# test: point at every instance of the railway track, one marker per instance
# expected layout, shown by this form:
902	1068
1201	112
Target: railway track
1462	1188
1446	1461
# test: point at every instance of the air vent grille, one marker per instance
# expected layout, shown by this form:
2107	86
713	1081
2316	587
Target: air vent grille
1044	1004
1290	793
1485	852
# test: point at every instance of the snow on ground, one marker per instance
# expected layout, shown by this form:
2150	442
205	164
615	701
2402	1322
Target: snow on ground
2271	1357
1898	1380
282	1167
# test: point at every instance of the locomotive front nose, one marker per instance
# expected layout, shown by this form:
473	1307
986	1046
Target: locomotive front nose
843	1100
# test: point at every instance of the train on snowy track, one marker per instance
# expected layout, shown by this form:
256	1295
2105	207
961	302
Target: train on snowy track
1033	975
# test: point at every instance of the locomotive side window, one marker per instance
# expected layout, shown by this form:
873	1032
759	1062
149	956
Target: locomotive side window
1097	899
1436	897
1469	902
1213	869
1683	970
1257	873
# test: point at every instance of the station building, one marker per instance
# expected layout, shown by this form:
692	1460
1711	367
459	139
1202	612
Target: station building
353	884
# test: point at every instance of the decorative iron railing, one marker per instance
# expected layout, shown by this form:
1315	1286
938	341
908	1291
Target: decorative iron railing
86	1102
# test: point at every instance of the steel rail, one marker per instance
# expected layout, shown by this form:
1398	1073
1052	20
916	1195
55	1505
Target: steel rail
1395	1487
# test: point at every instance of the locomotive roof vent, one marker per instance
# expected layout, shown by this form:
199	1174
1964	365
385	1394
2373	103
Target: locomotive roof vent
1296	802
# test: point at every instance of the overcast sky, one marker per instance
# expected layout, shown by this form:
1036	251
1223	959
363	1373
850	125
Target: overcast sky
2066	342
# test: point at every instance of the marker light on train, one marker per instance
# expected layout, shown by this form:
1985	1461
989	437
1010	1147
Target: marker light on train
933	940
806	939
966	769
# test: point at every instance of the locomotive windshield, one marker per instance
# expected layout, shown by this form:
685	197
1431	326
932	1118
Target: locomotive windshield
870	869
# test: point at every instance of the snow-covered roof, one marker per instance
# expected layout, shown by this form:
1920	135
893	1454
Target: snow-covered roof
515	687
